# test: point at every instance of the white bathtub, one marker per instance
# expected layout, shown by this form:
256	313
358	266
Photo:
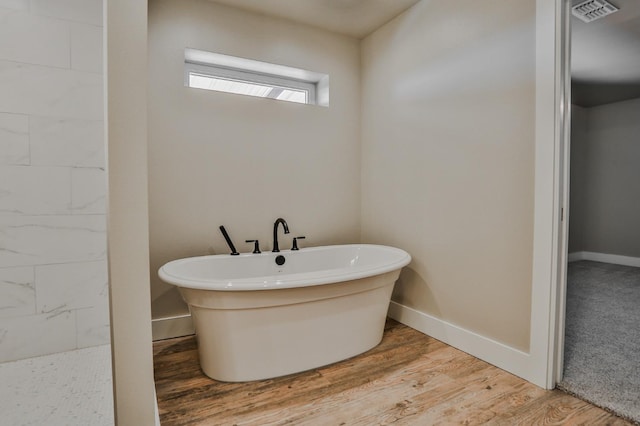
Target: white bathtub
255	319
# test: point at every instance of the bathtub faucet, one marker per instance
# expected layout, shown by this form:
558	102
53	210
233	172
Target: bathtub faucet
278	221
234	252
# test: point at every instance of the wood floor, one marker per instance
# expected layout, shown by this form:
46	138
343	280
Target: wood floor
409	379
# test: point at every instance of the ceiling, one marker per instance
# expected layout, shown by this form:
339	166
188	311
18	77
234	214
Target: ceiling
605	56
355	18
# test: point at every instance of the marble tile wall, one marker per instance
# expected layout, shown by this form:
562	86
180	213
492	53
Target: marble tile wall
53	272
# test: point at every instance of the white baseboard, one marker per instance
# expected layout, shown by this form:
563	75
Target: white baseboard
575	256
604	257
168	328
502	356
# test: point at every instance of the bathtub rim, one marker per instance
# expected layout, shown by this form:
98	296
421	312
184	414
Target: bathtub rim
399	259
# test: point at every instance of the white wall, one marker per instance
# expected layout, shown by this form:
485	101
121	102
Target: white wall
223	159
448	158
53	279
605	175
578	182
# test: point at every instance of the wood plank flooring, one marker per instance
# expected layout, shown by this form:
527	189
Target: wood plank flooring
409	379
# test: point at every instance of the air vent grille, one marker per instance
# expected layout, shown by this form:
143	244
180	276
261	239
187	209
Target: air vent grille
590	10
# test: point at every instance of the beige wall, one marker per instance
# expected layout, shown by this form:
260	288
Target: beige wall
605	179
221	159
127	211
448	159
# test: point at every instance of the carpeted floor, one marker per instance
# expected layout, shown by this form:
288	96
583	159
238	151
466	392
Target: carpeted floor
602	337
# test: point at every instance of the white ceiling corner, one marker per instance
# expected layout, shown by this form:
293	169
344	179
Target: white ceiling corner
354	18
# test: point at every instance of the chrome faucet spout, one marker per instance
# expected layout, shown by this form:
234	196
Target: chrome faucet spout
276	247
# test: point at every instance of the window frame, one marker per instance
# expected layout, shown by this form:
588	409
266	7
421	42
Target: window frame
251	77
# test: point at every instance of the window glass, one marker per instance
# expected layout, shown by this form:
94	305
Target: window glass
230	74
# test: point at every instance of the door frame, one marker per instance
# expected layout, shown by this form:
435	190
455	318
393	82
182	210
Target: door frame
565	189
551	206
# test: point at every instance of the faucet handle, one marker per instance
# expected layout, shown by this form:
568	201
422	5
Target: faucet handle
256	246
295	242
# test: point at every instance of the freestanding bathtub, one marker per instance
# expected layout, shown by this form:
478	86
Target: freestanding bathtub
255	319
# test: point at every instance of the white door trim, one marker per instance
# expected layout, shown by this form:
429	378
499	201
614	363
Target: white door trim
562	259
549	246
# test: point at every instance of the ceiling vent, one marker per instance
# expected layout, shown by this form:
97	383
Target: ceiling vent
590	10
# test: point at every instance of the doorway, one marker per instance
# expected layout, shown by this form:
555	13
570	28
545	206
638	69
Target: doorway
603	273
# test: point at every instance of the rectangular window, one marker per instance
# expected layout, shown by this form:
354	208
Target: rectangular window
223	73
250	84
